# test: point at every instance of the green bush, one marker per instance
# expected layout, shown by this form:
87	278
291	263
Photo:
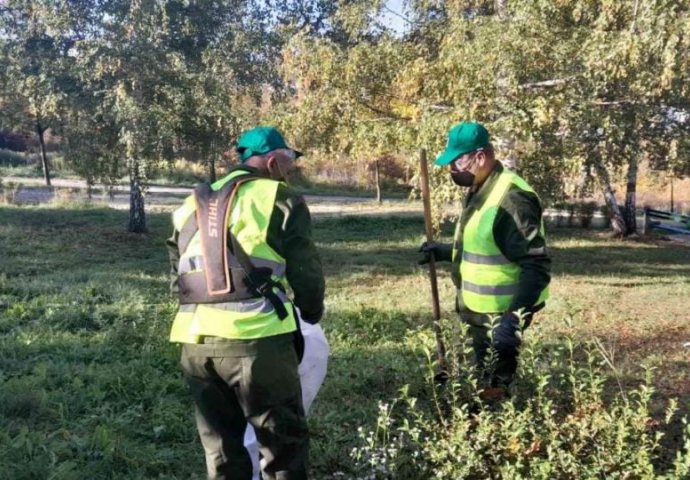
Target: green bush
565	419
8	192
10	158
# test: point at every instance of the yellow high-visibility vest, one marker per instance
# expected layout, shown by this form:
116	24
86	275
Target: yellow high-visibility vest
252	318
490	280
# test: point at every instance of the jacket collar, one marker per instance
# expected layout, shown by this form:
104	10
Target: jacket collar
478	194
248	169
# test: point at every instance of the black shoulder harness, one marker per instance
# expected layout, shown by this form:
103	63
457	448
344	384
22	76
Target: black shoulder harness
220	281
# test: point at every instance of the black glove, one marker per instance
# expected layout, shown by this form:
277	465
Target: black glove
506	339
442	252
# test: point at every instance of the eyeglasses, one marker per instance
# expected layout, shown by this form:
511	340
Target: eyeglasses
466	158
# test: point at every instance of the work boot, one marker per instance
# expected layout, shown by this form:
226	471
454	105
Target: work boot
441	376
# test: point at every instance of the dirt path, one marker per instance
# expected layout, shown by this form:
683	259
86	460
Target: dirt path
165	198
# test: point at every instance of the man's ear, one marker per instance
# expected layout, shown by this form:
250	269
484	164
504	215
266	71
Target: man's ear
273	167
481	158
271	161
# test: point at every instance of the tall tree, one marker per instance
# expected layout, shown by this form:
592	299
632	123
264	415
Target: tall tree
156	75
230	56
569	87
36	78
345	79
129	69
620	85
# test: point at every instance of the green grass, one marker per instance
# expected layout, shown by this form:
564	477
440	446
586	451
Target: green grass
90	387
24	170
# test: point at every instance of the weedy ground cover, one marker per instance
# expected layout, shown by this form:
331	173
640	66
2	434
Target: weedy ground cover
90	387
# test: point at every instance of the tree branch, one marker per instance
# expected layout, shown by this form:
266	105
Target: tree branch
385	113
545	83
385	7
613	103
440	108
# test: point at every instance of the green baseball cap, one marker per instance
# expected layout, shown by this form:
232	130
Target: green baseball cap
259	141
463	138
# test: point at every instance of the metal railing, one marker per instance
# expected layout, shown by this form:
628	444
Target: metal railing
665	221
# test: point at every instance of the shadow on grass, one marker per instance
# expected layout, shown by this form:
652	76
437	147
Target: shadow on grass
623	260
376	242
96	236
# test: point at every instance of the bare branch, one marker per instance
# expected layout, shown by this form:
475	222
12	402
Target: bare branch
385	7
545	83
613	103
440	108
385	113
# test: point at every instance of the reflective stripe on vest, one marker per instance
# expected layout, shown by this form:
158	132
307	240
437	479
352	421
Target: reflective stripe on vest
489	279
245	319
484	259
196	264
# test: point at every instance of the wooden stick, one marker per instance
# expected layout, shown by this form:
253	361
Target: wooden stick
440	346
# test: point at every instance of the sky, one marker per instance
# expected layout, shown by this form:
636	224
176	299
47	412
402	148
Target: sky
397	23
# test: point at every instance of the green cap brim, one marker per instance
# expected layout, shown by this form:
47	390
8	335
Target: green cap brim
447	157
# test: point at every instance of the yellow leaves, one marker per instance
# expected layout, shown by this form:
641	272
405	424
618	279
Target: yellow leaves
411	79
542	112
406	110
312	63
513	446
669	61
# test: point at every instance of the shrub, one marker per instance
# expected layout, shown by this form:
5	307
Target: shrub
182	172
8	158
560	422
8	192
12	141
389	167
587	210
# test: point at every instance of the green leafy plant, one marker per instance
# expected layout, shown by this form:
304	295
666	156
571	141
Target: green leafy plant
564	419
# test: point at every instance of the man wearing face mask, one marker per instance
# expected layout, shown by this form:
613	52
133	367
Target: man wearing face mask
500	265
237	246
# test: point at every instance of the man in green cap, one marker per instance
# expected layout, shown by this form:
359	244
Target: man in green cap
500	265
237	246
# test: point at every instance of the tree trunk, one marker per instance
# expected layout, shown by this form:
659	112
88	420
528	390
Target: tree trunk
44	158
208	155
137	214
671	193
501	8
617	221
631	197
212	167
377	179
